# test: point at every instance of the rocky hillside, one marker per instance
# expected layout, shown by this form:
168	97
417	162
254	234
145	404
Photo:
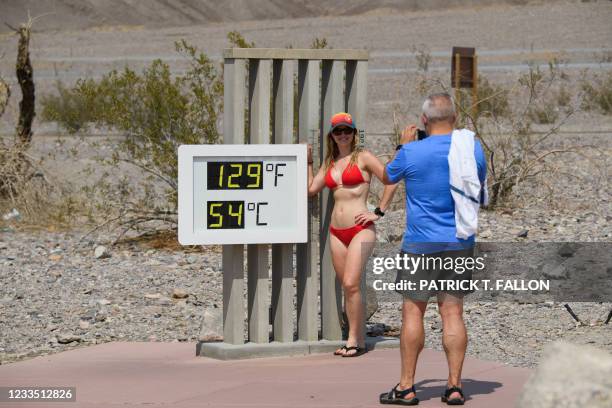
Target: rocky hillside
78	14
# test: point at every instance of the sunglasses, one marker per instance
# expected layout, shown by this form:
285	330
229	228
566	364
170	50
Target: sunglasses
345	130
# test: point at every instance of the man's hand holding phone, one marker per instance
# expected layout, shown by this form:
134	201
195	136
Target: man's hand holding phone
409	134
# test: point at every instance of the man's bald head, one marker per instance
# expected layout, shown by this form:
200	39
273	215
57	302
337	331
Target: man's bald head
439	107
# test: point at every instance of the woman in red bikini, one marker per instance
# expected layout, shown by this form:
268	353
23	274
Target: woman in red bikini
347	171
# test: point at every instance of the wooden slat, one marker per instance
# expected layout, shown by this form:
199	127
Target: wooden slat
296	54
233	255
258	271
282	254
307	255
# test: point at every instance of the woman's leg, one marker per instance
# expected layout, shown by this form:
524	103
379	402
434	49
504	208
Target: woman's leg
357	255
338	255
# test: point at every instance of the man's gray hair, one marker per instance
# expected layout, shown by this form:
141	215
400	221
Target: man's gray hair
439	107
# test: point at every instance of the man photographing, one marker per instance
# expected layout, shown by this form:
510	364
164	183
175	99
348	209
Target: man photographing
444	175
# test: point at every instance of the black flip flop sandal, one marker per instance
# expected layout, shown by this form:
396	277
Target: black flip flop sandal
395	397
339	353
358	351
454	401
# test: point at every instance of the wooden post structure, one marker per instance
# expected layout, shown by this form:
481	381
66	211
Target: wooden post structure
474	87
457	79
328	81
464	74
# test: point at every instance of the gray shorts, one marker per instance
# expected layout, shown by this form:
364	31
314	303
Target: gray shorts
438	272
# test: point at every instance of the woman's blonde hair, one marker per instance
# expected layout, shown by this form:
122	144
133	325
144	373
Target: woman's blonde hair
333	151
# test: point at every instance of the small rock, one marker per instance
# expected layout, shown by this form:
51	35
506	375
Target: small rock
152	295
12	215
555	271
523	234
84	324
55	257
485	234
570	376
566	251
104	302
100	317
179	294
212	325
65	338
376	329
101	252
164	301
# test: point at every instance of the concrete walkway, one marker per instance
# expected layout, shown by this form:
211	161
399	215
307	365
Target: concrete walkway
170	375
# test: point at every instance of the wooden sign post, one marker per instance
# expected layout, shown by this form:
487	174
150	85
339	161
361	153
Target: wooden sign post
464	74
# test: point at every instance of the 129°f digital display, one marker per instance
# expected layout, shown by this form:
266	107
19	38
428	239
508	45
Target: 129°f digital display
243	194
242	175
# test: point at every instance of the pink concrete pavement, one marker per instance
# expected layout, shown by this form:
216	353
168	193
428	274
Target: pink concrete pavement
170	375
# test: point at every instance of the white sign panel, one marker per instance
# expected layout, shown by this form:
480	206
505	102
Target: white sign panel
242	194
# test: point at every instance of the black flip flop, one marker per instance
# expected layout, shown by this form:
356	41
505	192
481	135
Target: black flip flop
454	401
395	397
339	353
358	351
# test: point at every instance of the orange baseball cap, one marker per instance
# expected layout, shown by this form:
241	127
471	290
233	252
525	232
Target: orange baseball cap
342	119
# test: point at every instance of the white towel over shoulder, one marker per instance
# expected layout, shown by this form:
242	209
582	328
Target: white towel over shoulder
464	183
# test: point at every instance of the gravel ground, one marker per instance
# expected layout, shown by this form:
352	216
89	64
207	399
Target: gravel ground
57	295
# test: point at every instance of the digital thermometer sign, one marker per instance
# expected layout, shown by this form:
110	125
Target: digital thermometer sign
232	194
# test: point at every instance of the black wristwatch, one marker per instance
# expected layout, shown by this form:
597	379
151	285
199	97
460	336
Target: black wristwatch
398	147
378	212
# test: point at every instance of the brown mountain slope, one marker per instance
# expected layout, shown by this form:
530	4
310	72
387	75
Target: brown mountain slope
77	14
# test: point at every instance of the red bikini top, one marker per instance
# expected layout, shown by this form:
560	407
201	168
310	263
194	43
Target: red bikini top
350	176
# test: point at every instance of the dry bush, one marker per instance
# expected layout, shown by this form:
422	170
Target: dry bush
134	184
5	94
504	118
25	187
598	93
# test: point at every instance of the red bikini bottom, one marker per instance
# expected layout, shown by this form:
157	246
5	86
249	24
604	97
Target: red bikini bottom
346	234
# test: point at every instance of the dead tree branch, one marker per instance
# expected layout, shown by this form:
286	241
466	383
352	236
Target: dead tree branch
26	82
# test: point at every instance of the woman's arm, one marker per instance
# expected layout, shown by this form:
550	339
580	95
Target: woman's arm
375	166
387	196
315	183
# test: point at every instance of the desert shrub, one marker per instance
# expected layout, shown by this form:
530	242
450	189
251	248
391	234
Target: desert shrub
564	97
543	114
492	99
156	112
503	118
237	40
73	111
319	43
598	93
516	153
5	94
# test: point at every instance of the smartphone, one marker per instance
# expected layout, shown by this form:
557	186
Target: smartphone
421	134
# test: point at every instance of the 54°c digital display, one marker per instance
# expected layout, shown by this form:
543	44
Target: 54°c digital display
246	175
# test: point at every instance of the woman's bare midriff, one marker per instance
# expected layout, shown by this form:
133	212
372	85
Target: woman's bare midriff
348	202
